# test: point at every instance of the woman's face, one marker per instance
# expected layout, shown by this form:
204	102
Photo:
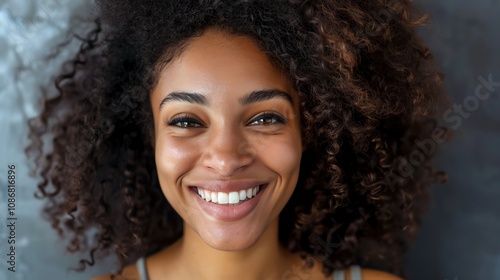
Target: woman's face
226	123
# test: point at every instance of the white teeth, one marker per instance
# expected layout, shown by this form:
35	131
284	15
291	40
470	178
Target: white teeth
228	198
222	198
234	197
249	193
243	195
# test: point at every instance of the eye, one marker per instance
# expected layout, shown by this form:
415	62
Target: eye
184	121
268	119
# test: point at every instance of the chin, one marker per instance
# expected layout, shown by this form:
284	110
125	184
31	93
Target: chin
239	244
232	238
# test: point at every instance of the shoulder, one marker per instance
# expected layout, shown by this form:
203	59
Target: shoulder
372	274
366	274
129	273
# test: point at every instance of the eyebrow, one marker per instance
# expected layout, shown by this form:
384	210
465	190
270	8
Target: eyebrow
253	97
190	97
263	95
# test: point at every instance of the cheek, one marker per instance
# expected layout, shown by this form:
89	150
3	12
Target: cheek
283	156
174	158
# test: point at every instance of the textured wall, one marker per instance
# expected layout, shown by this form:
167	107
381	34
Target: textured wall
29	31
459	237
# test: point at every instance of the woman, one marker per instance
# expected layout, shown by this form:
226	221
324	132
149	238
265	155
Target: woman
243	139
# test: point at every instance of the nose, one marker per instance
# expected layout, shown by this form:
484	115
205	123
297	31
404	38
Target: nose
227	151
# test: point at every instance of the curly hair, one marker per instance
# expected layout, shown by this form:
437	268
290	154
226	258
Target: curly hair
368	93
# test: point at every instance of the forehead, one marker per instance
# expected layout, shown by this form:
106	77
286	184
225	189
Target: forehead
219	62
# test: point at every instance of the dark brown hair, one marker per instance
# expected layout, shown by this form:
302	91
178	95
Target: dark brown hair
368	94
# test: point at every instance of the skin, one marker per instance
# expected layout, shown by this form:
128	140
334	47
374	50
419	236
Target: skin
227	141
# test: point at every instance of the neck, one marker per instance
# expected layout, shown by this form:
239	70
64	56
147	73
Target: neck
264	260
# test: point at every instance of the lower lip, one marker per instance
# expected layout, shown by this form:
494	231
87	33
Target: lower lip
229	213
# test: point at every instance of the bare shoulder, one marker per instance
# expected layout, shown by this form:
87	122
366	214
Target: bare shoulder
372	274
129	273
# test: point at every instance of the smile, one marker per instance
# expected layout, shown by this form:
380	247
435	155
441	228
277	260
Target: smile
227	206
229	198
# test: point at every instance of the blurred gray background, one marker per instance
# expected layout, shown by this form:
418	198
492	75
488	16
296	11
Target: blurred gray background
459	238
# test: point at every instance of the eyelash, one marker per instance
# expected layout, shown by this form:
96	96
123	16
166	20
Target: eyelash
269	115
186	119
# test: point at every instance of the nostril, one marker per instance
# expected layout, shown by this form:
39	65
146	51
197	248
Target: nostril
229	158
226	168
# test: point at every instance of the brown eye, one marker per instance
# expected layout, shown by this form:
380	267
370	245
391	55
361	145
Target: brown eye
268	119
185	122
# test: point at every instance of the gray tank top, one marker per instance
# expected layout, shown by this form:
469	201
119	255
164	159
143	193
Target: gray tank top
337	274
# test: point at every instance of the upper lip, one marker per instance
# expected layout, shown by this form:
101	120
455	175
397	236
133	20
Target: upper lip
227	186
